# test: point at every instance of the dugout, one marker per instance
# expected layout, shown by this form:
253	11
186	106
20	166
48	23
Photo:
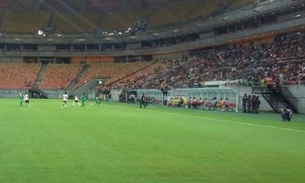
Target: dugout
209	93
155	96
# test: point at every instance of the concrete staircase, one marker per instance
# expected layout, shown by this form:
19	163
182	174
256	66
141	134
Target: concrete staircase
78	77
40	76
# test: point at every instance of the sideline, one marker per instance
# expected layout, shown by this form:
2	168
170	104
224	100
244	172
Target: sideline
217	120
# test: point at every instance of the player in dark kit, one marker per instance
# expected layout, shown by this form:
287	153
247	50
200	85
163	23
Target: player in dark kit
109	97
142	101
98	101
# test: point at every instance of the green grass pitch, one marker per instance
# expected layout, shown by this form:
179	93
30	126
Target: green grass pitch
120	143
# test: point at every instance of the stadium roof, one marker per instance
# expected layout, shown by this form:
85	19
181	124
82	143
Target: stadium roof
103	5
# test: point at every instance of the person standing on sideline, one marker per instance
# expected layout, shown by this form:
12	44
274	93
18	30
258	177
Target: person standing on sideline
142	101
109	98
249	104
257	103
244	102
65	97
27	99
21	98
84	99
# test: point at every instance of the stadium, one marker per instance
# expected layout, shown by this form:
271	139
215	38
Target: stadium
168	91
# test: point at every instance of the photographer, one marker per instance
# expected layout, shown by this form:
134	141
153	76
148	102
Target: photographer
286	114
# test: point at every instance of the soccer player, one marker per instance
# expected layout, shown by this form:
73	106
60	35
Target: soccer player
142	101
76	100
98	100
21	98
27	100
109	98
84	98
65	97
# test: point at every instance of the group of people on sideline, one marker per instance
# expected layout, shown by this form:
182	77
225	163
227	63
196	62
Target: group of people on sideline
221	104
251	103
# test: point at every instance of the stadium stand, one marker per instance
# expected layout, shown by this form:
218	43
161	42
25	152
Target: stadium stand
59	76
113	71
250	63
130	81
18	75
216	63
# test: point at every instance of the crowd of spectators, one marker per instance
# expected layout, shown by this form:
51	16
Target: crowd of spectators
249	64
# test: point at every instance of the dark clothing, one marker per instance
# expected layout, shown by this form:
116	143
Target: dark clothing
249	104
142	102
286	115
244	103
257	103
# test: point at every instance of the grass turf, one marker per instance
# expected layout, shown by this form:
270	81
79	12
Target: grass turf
122	143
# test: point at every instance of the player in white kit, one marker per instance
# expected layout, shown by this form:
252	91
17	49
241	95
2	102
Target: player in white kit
65	97
26	99
76	100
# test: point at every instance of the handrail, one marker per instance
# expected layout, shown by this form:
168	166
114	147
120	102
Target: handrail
289	98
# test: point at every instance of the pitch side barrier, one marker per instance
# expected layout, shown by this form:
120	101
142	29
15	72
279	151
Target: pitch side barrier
155	96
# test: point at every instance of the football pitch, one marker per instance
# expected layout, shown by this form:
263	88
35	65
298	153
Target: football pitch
121	143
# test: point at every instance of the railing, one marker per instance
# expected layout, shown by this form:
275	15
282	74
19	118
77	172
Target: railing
289	98
274	104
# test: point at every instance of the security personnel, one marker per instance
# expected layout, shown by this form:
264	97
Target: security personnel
244	102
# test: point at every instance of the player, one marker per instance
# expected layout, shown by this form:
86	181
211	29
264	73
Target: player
65	97
227	104
76	100
27	100
142	101
21	98
98	100
109	96
84	98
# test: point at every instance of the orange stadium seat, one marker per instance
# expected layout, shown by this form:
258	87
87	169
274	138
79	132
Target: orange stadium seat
18	75
113	71
59	76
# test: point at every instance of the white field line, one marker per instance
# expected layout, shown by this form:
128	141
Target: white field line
234	122
221	120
